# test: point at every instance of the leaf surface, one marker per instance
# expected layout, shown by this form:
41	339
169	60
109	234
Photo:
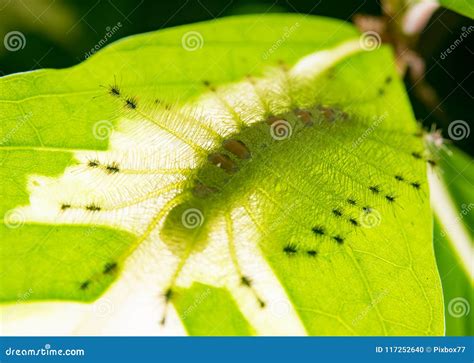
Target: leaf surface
463	7
318	222
453	236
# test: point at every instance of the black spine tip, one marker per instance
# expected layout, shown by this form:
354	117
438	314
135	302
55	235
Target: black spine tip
85	285
338	239
374	189
109	268
337	212
318	230
168	294
290	250
354	222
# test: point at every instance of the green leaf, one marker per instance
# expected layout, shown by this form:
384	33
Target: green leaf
453	236
463	7
329	220
197	309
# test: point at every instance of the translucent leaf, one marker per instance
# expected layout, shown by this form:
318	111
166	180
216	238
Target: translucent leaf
274	158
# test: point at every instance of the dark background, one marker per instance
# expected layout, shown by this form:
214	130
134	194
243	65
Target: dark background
59	33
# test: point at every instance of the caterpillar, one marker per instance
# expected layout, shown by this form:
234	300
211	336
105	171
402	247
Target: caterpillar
276	152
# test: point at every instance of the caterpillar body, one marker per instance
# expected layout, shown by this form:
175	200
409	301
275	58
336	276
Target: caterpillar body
280	153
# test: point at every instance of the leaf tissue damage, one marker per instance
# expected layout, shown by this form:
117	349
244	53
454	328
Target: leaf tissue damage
304	184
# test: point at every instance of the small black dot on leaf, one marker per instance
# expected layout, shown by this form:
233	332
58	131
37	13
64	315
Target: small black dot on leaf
416	155
290	250
112	168
319	230
338	239
114	91
85	285
374	189
337	212
168	294
93	163
131	103
416	185
109	268
93	207
354	222
244	280
65	206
